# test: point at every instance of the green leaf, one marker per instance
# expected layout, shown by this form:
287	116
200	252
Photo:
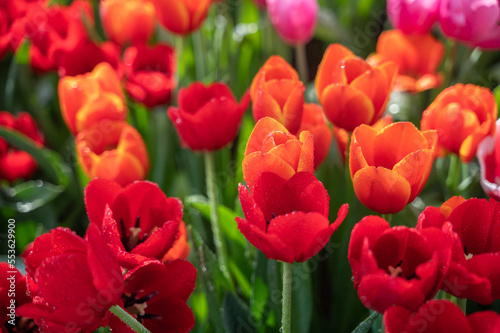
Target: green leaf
496	92
365	326
31	195
22	54
50	162
237	315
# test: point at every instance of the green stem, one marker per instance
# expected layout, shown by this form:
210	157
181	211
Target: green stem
387	217
220	247
286	313
199	55
450	63
301	61
128	319
462	304
453	174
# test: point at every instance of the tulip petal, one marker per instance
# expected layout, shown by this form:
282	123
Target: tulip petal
159	241
257	163
329	70
98	193
415	168
484	322
261	131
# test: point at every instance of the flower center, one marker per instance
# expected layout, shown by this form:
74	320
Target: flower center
137	306
132	238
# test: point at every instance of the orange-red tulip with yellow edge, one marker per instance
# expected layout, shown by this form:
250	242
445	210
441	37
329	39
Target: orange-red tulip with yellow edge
181	16
462	115
418	58
314	121
389	167
351	91
88	98
342	136
139	16
112	150
272	148
277	92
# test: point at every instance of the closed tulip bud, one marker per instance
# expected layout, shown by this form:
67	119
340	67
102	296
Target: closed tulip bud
181	16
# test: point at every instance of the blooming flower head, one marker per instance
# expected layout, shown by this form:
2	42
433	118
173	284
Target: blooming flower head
488	154
198	117
181	16
287	219
351	91
12	280
412	16
389	167
462	115
138	221
396	266
271	148
417	56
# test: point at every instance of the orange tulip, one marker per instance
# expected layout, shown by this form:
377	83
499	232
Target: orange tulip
272	148
88	98
139	16
277	92
314	121
181	16
350	90
463	115
417	56
389	167
112	150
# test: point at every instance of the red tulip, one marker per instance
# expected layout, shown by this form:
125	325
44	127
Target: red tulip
156	295
139	15
440	316
140	222
75	281
473	226
488	154
12	295
181	16
149	74
287	219
198	117
396	266
16	164
114	151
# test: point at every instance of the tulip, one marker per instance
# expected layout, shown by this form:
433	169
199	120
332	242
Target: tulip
139	16
150	73
20	297
389	167
138	221
197	120
474	22
260	3
114	151
181	16
287	219
89	98
295	20
70	276
350	90
156	295
314	122
412	16
417	56
473	227
278	93
488	154
462	115
396	266
271	148
16	164
440	316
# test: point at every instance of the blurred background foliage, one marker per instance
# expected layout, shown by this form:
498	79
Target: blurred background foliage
232	45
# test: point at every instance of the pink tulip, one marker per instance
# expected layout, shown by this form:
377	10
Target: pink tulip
474	22
295	20
488	154
413	16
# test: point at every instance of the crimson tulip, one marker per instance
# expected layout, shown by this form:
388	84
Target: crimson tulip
397	266
351	91
390	167
287	219
473	226
462	115
12	295
197	120
488	154
112	150
440	316
150	74
74	281
16	164
181	16
417	56
140	222
271	148
140	16
278	93
156	294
